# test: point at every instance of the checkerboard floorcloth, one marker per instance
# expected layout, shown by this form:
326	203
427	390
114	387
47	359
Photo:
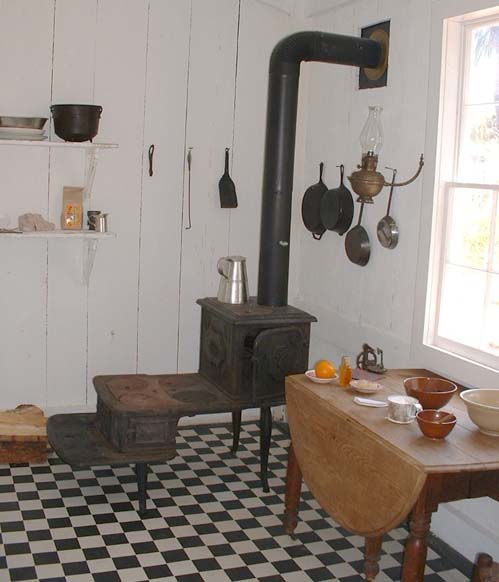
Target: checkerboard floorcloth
208	521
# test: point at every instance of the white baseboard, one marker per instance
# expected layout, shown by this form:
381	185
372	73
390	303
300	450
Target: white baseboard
469	526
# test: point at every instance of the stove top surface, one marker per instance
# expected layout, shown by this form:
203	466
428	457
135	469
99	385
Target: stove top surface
170	394
251	312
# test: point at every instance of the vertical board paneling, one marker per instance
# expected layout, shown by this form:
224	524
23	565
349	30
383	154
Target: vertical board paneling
251	109
119	88
73	82
134	58
161	222
209	131
25	64
373	303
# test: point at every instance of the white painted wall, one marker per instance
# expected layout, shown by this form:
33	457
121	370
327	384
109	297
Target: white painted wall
174	73
376	303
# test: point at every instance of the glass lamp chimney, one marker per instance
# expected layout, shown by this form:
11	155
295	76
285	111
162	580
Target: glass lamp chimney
371	136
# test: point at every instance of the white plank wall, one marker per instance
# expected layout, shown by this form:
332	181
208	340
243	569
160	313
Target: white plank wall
373	303
212	65
249	134
73	82
120	72
25	68
162	193
165	73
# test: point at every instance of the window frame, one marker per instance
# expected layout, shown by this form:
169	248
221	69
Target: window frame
449	19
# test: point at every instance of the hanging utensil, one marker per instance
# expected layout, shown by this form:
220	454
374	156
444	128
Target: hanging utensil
311	206
189	167
387	230
226	187
150	155
336	208
357	244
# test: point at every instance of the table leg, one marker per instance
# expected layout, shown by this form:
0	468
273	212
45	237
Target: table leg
236	429
265	435
417	543
141	469
372	551
293	491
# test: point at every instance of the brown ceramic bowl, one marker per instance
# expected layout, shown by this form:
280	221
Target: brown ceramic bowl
429	422
431	392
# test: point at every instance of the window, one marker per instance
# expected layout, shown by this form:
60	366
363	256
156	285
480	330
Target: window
463	307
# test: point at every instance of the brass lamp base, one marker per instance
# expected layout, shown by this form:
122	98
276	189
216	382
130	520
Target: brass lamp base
367	182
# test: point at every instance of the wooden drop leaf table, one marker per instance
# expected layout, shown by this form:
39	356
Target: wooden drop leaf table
369	474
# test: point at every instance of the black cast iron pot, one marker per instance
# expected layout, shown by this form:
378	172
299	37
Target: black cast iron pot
76	122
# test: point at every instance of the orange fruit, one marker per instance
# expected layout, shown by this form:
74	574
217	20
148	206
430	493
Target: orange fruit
324	369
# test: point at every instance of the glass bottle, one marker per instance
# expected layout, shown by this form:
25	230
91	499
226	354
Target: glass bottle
345	372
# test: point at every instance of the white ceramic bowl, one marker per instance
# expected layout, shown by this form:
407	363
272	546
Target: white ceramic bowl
311	375
483	408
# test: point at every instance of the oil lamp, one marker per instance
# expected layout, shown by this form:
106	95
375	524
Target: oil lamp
367	182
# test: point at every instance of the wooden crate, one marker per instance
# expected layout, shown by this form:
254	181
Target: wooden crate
23	435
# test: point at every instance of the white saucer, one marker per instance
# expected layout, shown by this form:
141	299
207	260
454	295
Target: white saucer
310	374
365	386
400	421
21	130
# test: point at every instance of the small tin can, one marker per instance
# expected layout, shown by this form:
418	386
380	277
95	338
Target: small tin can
102	223
92	219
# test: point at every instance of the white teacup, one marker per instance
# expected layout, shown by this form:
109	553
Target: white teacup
402	408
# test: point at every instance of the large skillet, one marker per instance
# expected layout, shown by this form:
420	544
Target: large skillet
337	207
311	206
357	244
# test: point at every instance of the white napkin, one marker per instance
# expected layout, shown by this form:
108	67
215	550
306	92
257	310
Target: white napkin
368	402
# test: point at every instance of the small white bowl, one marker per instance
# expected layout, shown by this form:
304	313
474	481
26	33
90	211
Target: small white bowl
365	386
311	375
483	409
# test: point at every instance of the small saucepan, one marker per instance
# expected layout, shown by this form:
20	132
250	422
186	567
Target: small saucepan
337	207
357	244
311	204
387	230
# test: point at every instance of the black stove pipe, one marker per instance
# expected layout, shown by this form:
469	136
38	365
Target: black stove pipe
284	75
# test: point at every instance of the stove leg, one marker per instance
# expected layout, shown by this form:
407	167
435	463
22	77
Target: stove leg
141	470
265	434
236	430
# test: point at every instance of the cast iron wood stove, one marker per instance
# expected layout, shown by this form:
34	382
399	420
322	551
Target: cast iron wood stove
246	350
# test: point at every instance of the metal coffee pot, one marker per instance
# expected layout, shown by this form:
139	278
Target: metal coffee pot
233	286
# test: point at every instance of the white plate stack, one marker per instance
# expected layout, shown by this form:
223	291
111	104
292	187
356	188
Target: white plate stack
22	128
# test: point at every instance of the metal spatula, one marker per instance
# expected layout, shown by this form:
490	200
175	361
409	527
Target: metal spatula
226	187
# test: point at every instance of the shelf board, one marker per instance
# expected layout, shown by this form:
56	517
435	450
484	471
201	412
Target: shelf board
58	144
58	234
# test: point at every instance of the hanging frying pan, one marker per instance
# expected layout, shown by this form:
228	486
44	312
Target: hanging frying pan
357	244
387	230
311	206
336	208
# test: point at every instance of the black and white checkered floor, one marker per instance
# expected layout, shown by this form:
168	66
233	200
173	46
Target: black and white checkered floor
208	520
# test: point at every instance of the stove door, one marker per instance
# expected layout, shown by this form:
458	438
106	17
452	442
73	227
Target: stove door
277	353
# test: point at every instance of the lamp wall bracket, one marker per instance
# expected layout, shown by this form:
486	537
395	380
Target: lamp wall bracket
407	182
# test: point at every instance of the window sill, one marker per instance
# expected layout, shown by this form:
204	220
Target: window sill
462	370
